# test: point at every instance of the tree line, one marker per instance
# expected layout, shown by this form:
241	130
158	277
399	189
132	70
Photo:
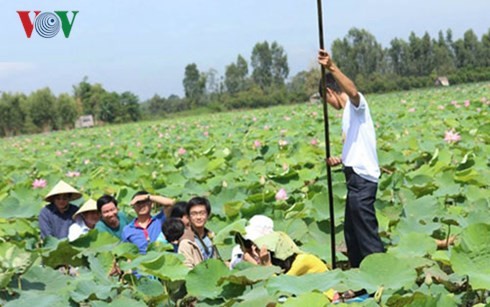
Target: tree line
261	81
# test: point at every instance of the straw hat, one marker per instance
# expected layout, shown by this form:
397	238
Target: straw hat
279	243
63	188
89	205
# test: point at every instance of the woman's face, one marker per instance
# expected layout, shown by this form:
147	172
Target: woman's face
91	218
61	201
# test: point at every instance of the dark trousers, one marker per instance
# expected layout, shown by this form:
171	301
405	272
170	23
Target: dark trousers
360	224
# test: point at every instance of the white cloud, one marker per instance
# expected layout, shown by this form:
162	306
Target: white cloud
8	69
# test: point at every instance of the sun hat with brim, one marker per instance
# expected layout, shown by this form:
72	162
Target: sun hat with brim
89	205
280	244
63	188
258	226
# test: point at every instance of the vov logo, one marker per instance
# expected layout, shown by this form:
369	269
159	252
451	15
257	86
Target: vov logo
47	24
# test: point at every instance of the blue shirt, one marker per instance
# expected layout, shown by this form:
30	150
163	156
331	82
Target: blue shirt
54	223
141	237
207	250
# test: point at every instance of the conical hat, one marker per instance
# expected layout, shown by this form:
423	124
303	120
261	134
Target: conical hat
89	205
279	243
63	188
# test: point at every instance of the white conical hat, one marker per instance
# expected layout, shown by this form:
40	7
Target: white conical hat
89	205
63	188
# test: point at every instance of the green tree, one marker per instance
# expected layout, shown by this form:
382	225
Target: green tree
12	115
156	104
67	111
466	50
358	53
43	109
236	76
109	107
130	107
399	55
484	54
443	58
262	65
194	84
280	67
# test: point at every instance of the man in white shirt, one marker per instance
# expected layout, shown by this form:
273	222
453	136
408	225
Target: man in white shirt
360	162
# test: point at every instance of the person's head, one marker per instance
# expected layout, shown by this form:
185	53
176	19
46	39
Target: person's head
198	210
107	207
282	248
173	229
142	203
61	195
89	213
179	210
334	92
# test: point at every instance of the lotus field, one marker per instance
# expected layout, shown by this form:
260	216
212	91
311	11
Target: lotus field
433	148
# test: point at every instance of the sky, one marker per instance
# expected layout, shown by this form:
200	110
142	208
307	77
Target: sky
144	46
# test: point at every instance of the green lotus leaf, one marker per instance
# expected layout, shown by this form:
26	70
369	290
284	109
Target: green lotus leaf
258	296
414	245
196	169
202	280
228	232
297	285
383	270
150	288
252	275
88	289
167	266
16	259
120	301
5	278
14	208
39	298
126	249
307	299
472	256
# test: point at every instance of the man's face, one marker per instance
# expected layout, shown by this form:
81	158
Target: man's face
198	216
143	207
61	202
109	214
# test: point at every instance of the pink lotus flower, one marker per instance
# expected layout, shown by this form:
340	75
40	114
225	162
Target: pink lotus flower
466	103
181	151
441	107
411	110
454	102
314	142
39	183
254	119
206	134
451	136
160	135
257	144
73	174
58	153
281	195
